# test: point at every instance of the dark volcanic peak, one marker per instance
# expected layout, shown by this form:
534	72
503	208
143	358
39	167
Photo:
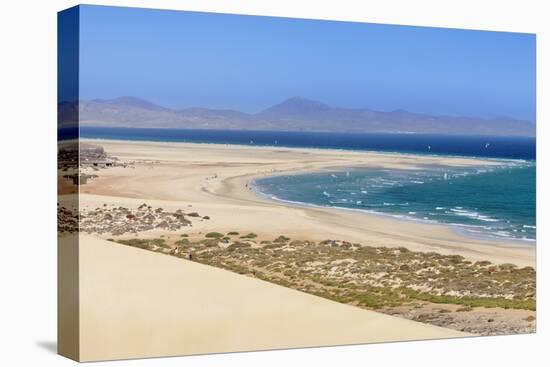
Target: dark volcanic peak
211	112
399	111
131	101
296	106
293	114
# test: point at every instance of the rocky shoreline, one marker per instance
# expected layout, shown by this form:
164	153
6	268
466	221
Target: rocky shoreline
119	220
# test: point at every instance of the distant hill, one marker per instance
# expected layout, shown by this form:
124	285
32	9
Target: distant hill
293	114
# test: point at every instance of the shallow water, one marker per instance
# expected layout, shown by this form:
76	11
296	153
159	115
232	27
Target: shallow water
485	201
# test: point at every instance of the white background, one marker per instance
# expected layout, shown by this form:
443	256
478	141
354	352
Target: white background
28	182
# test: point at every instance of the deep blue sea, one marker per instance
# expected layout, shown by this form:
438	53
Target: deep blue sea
494	201
477	146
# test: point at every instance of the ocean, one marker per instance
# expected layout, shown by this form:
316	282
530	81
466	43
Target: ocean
481	201
487	201
473	146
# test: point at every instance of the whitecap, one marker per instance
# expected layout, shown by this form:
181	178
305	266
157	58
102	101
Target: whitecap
486	218
474	215
459	210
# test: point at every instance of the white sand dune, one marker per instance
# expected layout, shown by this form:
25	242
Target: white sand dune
135	303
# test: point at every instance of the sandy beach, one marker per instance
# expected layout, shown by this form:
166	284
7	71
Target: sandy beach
214	180
203	263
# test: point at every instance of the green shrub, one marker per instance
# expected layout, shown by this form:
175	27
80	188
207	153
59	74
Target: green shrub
282	238
145	243
214	235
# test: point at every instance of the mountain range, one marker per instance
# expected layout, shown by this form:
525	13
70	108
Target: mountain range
292	114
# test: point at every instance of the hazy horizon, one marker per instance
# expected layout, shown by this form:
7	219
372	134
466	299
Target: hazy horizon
182	59
261	109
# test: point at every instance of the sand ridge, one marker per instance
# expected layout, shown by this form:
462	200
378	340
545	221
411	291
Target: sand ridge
135	304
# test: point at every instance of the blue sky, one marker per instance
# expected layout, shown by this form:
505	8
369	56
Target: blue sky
184	59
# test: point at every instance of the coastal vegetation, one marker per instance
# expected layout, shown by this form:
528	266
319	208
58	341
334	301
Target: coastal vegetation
251	235
214	235
391	280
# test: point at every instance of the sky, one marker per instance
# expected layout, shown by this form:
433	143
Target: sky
248	63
